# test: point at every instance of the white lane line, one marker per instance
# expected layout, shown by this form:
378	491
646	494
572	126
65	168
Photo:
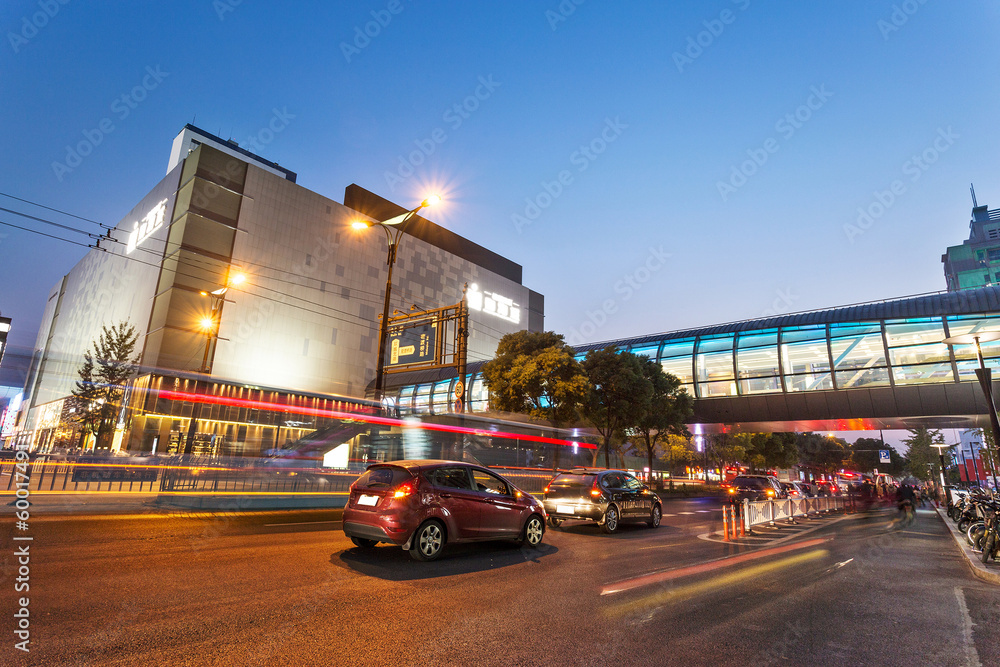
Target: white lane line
971	654
669	515
686	513
300	523
704	511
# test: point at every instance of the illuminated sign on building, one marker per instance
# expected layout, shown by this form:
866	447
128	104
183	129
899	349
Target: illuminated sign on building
493	304
413	345
143	229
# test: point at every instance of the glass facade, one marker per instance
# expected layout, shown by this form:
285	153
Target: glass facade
815	357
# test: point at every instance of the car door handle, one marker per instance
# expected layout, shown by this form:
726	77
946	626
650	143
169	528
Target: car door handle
444	495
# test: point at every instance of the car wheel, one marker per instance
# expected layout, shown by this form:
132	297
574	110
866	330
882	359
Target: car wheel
611	520
363	543
533	531
988	544
655	516
554	522
428	542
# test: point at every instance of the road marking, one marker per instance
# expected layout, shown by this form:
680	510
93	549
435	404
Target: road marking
669	515
686	513
705	511
971	655
662	546
299	523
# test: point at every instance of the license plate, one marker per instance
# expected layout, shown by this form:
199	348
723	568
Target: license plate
565	509
370	501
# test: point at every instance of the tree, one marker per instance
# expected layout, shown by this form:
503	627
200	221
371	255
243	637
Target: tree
98	393
676	450
619	394
864	457
669	408
922	460
823	453
535	373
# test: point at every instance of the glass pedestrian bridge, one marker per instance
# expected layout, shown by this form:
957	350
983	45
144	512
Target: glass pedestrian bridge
871	365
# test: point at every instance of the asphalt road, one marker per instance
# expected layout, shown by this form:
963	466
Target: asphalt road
287	588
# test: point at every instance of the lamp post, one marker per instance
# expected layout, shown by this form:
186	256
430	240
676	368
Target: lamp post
210	325
394	228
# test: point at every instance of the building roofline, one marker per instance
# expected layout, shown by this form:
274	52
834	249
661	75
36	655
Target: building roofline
232	145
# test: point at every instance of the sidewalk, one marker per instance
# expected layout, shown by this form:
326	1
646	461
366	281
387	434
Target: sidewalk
159	504
990	573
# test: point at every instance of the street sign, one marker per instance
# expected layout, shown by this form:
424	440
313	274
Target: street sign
412	345
883	456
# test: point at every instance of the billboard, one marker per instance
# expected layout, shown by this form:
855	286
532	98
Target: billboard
412	345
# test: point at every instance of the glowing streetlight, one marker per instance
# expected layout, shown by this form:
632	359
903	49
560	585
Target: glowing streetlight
394	228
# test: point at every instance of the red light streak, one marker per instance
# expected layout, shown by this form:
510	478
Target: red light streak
368	419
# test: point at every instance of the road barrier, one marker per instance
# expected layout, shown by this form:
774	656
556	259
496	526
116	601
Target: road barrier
742	518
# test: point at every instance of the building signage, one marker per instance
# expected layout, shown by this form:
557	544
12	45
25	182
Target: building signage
143	229
413	345
493	304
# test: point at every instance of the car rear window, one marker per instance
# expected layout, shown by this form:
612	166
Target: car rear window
572	481
382	477
748	483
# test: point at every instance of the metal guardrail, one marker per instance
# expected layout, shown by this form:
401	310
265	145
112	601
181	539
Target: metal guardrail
254	480
771	511
56	476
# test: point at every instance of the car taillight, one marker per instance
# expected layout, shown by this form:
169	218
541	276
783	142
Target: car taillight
732	490
546	489
770	492
595	491
403	490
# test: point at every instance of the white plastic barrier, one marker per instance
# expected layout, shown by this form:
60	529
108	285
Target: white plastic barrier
770	511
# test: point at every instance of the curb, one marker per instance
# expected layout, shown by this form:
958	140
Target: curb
978	569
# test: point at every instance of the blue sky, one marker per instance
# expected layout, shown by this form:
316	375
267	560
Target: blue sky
643	109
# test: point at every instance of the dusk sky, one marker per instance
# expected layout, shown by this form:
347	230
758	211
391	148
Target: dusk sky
653	166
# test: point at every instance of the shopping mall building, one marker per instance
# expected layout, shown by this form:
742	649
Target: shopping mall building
301	330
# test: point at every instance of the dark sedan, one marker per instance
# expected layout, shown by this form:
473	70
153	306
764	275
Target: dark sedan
607	497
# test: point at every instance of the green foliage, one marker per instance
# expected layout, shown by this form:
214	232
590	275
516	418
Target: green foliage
99	391
535	373
864	457
669	408
821	452
619	394
922	459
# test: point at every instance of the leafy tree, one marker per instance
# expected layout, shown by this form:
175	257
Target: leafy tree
822	453
619	394
922	460
864	457
535	373
726	449
676	450
98	393
669	408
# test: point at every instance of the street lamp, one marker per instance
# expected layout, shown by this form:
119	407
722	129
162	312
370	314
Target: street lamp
210	325
394	228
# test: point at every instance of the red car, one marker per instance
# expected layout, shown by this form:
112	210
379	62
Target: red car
423	505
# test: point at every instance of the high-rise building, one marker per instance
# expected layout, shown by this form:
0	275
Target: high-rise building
301	324
976	262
